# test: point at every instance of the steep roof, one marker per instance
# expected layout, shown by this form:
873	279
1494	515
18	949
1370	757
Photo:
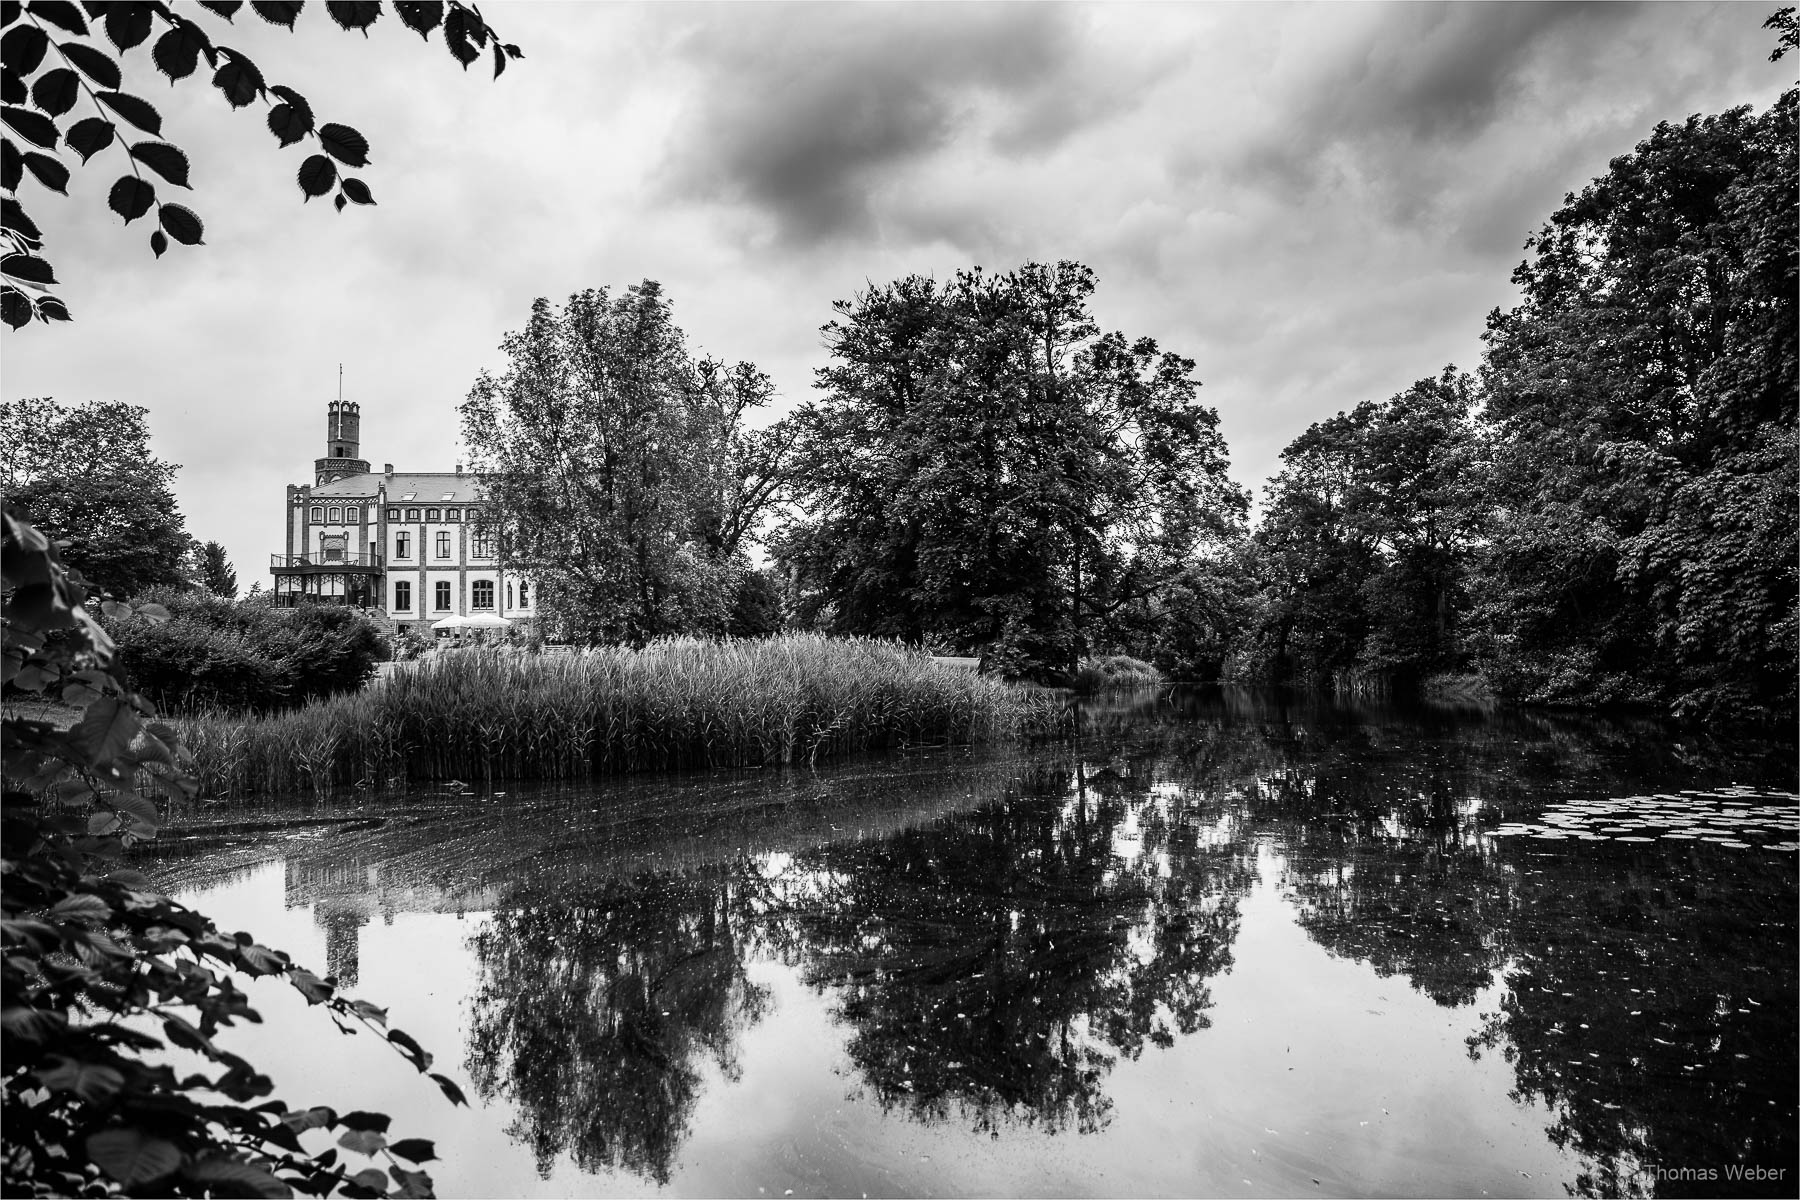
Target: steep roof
431	487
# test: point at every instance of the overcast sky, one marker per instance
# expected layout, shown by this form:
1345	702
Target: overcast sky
1317	203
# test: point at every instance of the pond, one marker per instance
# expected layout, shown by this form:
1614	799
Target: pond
1229	944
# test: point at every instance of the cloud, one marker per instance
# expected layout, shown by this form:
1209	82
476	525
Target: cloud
812	114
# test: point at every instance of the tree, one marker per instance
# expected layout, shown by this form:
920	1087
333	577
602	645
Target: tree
1642	399
984	468
85	1112
86	477
215	572
621	469
56	65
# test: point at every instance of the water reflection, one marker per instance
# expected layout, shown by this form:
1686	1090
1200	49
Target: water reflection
994	936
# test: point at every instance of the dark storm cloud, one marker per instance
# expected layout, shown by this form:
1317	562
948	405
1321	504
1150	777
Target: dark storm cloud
804	112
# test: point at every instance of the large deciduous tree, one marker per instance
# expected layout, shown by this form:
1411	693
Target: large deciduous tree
986	471
1643	397
621	471
86	477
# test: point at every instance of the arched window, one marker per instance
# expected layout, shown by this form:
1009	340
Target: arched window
474	514
481	594
412	514
431	514
393	514
509	595
451	514
335	516
524	595
318	514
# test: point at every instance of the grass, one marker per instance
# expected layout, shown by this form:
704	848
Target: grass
682	703
1113	671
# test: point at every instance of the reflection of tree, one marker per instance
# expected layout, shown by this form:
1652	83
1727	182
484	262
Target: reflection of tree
1645	1007
597	1010
995	964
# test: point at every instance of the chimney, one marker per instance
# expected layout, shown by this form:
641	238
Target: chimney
459	469
388	468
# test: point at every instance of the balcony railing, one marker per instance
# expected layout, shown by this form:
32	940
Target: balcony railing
325	562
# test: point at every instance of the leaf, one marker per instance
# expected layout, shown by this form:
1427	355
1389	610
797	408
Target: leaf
358	191
420	16
33	126
131	197
134	109
56	91
60	13
159	242
15	309
177	52
338	202
166	160
131	1156
181	224
225	8
49	171
12	88
127	24
239	1177
92	1082
456	37
378	1122
238	80
90	136
412	1049
290	122
449	1089
260	960
81	908
28	267
13	218
363	1141
12	165
22	49
417	1150
354	14
277	12
316	990
372	1179
316	176
95	64
104	731
344	144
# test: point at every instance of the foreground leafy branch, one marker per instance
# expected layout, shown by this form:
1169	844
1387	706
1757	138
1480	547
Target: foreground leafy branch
63	86
95	957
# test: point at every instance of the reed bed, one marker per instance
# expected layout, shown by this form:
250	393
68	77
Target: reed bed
482	716
1114	671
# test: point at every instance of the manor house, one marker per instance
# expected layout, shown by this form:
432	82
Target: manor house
410	547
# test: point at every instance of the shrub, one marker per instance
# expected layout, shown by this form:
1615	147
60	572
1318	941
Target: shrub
217	653
1114	671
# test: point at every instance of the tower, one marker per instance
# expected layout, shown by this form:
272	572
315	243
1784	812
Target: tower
343	443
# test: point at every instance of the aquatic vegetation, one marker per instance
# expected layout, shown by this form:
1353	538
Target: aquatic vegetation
678	703
1740	818
1114	671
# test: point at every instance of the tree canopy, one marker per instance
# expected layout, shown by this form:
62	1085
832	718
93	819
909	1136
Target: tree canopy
986	470
621	469
86	477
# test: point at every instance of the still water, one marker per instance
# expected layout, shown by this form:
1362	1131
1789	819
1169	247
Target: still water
1228	944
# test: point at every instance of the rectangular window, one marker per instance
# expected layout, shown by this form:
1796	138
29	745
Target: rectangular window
403	545
443	543
484	545
481	594
443	595
402	596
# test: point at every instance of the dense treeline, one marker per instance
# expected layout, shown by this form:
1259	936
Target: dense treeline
1608	513
1604	513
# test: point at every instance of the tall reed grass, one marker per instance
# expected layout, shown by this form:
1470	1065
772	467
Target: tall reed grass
480	716
1114	671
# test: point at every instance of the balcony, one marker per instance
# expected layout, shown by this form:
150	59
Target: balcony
325	564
